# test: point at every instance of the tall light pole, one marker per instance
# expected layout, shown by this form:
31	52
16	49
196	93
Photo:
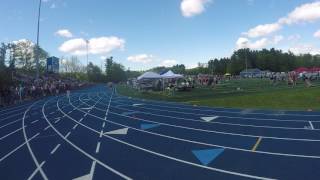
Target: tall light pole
37	46
87	45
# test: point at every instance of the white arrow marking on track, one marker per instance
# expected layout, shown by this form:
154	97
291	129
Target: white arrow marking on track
208	119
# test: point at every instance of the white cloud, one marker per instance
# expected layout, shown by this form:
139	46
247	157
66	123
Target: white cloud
317	34
308	12
258	44
101	45
304	49
64	33
262	30
305	13
168	62
191	8
242	43
141	58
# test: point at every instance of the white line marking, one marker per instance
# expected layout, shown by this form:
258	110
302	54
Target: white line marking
172	158
222	132
10	123
103	124
55	149
57	121
28	145
98	148
189	111
85	114
17	148
75	126
46	128
80	119
51	113
3	137
79	149
101	133
68	135
36	170
34	121
2	119
214	145
311	125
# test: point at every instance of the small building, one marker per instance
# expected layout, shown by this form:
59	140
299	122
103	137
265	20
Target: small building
251	73
53	64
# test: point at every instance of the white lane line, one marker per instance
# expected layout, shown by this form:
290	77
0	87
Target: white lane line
79	149
34	121
17	130
44	176
172	158
85	114
16	108
207	144
104	123
7	117
98	147
69	112
10	123
311	125
67	135
75	126
101	133
201	114
57	121
51	113
17	148
214	122
55	149
93	166
46	128
80	119
36	170
218	132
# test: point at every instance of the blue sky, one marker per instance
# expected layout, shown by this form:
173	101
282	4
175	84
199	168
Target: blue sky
144	33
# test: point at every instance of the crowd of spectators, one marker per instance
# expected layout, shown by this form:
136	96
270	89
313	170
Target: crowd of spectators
27	88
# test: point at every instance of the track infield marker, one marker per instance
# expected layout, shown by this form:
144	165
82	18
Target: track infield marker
208	119
311	125
257	144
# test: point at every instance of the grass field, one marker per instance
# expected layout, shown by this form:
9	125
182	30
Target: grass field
254	93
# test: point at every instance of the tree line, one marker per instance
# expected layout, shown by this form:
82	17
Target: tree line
265	59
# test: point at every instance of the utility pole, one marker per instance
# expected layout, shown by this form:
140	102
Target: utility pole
37	46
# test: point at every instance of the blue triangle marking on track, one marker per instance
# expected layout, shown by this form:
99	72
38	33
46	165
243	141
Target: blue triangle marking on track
206	156
148	126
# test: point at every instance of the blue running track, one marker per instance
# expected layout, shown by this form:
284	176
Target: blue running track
97	134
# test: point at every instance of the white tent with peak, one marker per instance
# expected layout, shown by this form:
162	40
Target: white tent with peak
171	75
149	75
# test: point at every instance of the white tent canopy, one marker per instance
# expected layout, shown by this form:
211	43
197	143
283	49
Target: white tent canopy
149	75
171	75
